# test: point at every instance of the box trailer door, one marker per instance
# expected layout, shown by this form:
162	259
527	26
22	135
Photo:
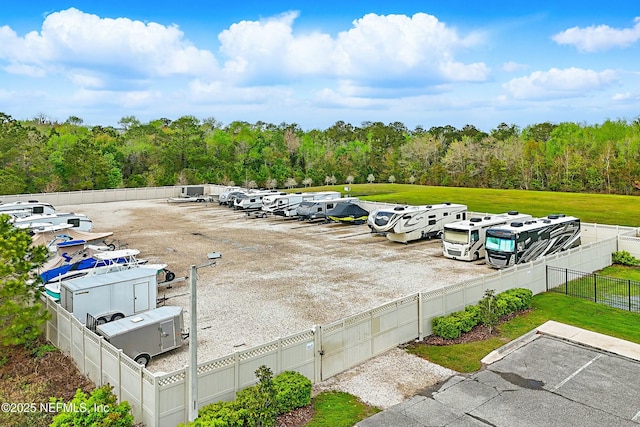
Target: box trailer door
140	297
167	335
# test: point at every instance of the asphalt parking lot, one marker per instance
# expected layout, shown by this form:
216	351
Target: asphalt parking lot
548	381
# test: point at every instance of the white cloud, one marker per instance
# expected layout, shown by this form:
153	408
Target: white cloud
559	83
376	48
599	38
511	67
72	39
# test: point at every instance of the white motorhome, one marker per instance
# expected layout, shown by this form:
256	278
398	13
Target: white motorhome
109	297
32	207
286	205
406	223
252	200
524	241
147	334
464	240
78	221
310	210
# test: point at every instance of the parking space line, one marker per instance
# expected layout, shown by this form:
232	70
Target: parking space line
563	382
636	417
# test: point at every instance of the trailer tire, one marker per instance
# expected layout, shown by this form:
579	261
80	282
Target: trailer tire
117	316
169	276
476	256
142	359
101	320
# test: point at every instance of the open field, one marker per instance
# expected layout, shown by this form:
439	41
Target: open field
595	208
277	277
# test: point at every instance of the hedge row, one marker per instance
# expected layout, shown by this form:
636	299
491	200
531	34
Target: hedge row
453	325
253	407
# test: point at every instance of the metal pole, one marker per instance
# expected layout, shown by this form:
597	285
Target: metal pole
193	348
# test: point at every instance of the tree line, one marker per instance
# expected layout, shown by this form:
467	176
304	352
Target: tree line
40	155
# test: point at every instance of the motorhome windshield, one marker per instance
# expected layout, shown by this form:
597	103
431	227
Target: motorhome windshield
500	244
452	235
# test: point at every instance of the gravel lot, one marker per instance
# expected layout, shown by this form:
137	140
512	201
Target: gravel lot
276	276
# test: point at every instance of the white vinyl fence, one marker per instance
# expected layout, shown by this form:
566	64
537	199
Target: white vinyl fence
319	352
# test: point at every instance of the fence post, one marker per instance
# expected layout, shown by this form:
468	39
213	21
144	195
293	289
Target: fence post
595	287
629	283
566	281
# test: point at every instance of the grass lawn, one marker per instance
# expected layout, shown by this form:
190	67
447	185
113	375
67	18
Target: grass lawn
547	306
339	409
593	208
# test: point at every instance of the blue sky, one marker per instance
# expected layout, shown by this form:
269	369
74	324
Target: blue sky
422	63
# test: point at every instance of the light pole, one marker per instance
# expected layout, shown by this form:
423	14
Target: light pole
193	335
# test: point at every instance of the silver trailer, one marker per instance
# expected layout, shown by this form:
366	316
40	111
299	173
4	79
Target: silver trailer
147	334
317	209
111	296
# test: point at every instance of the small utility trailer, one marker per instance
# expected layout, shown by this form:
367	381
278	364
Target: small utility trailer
147	334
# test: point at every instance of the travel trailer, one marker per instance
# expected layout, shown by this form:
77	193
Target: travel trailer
78	221
147	334
223	197
252	200
317	209
109	297
286	205
524	241
406	223
464	240
32	207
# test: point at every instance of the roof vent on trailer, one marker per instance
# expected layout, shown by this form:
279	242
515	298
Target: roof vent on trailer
446	203
399	208
429	206
476	220
487	217
513	213
517	224
555	216
546	221
529	222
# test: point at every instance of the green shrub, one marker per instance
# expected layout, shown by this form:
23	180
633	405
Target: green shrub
258	405
99	409
459	322
293	390
624	258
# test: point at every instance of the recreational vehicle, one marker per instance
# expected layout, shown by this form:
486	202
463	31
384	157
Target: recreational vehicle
286	205
317	209
223	198
253	200
112	296
464	240
523	241
406	223
32	207
78	221
147	334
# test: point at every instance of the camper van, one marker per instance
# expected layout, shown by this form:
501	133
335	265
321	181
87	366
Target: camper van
524	241
310	210
109	297
223	197
464	240
406	223
147	334
286	205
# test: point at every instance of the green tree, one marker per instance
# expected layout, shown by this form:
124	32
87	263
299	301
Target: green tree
488	310
21	313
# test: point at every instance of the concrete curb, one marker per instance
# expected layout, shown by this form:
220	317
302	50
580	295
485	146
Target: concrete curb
510	347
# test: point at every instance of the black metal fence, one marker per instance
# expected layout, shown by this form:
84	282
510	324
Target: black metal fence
612	291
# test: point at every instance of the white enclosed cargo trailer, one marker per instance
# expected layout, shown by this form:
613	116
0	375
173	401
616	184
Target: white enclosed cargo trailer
109	297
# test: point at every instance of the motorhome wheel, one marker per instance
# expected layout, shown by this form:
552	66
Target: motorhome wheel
142	359
101	320
117	316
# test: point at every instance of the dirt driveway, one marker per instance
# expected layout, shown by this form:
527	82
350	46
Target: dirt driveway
276	276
